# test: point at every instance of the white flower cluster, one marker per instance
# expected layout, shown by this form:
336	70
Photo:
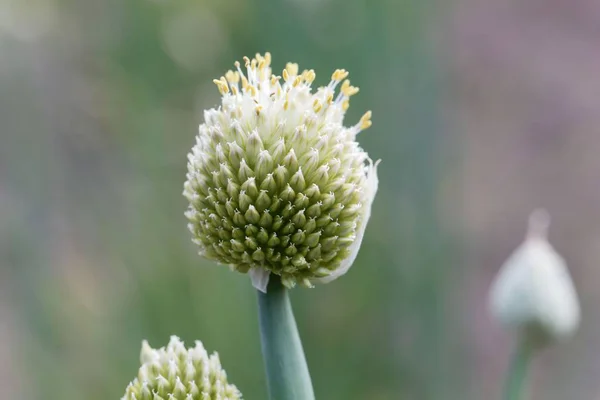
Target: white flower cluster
177	373
533	292
276	183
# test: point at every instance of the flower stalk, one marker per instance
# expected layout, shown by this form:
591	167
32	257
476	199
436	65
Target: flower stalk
516	377
533	296
285	364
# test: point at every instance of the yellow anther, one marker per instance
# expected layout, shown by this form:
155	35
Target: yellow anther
352	90
345	105
292	68
262	64
297	81
246	61
268	58
253	63
232	76
365	120
310	76
286	103
317	106
237	64
273	80
285	75
234	90
345	85
329	99
258	109
252	90
348	90
244	82
222	86
339	74
218	83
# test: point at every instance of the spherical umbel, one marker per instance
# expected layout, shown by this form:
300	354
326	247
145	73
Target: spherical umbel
276	183
177	373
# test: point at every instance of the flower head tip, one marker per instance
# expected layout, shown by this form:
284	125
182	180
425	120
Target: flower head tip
533	292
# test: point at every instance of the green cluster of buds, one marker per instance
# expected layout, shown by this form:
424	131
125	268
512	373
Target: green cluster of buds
177	373
276	183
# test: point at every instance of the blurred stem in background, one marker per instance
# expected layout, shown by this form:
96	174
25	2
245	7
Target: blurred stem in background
287	373
516	377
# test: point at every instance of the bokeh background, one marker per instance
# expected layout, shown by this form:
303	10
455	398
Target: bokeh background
483	110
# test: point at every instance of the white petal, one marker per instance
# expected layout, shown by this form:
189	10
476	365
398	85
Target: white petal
148	354
372	185
260	278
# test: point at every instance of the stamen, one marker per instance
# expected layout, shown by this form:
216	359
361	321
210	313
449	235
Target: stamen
348	90
292	69
232	77
339	74
365	120
221	85
317	106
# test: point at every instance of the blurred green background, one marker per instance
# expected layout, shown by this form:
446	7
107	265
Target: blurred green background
100	102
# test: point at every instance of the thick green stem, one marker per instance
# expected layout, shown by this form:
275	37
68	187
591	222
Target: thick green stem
285	364
515	386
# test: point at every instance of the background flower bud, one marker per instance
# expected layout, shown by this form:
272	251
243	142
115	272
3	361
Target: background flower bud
533	291
275	182
175	372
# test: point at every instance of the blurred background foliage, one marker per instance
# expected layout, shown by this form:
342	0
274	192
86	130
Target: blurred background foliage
100	102
103	102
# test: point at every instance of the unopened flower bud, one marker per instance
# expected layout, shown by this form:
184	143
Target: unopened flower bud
275	160
533	292
175	372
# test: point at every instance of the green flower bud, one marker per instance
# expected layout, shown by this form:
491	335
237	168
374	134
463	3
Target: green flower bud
533	292
276	183
177	373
